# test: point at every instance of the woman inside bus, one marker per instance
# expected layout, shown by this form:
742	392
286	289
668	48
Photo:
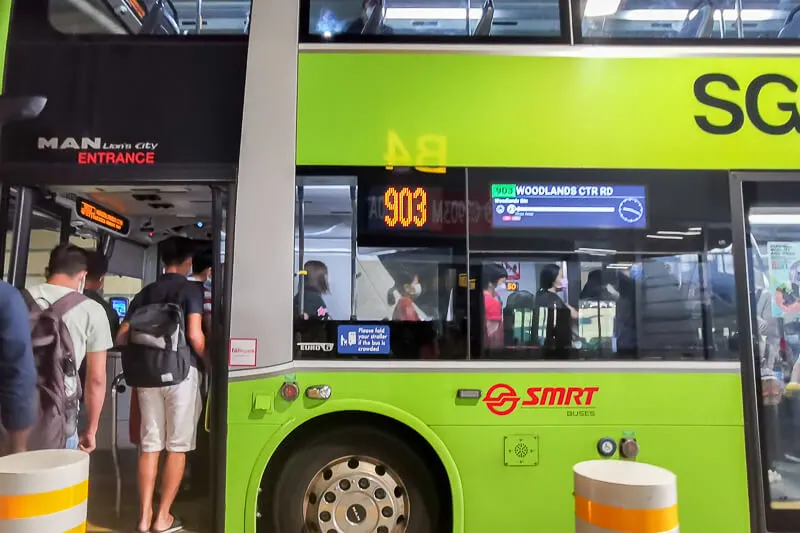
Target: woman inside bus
315	284
403	295
551	282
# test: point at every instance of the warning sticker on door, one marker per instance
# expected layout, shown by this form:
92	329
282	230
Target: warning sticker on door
243	352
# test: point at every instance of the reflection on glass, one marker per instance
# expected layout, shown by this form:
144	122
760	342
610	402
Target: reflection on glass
435	18
774	260
691	19
150	17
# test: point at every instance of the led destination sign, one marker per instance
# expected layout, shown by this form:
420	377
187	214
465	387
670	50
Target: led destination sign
102	217
568	206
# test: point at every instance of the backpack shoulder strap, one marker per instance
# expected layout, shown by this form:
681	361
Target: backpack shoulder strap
30	302
66	303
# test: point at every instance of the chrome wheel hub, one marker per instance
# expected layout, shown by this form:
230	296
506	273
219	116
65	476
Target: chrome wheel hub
356	495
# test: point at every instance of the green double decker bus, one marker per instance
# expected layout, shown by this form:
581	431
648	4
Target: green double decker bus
451	262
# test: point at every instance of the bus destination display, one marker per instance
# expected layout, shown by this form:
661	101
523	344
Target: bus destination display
101	217
403	208
568	206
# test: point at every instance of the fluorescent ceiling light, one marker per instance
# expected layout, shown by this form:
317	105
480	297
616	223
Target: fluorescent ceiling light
687	233
619	266
600	8
695	228
432	13
679	15
776	218
667	237
597	251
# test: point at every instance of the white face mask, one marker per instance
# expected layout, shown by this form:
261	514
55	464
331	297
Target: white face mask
416	289
82	284
500	287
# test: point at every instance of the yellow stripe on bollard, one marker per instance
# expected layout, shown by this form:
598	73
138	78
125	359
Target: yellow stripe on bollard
33	505
627	520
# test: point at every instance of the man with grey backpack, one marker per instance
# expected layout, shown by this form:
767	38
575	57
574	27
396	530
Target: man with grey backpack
163	345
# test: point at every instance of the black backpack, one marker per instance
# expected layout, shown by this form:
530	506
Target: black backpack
156	353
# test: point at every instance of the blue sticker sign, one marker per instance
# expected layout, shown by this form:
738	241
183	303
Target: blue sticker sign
363	340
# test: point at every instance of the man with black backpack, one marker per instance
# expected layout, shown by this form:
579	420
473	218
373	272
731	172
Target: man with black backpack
162	346
66	328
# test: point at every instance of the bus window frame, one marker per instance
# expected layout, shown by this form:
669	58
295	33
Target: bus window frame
564	37
577	30
30	22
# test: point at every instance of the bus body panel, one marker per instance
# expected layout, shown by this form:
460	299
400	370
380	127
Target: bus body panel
542	111
689	422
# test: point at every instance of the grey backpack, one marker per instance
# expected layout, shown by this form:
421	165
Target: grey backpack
156	354
57	372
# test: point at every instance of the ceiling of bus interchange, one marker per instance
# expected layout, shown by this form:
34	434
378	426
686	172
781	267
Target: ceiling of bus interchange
164	210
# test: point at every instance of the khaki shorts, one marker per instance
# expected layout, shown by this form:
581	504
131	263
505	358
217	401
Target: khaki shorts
170	415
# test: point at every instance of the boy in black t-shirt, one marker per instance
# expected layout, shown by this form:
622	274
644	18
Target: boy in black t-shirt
169	415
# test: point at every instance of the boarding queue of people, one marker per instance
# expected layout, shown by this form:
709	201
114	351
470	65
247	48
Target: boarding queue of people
54	340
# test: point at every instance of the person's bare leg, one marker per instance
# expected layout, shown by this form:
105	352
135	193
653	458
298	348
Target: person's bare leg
171	478
147	472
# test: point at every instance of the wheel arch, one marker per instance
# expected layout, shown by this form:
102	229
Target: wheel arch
396	420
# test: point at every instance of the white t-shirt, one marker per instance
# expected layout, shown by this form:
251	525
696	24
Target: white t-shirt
87	322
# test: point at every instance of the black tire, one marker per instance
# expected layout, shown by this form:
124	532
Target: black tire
311	455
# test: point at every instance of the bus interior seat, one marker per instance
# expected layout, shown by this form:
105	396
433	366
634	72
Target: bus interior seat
699	21
484	26
161	19
791	27
375	22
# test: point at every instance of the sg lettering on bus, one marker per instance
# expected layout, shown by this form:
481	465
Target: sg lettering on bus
755	104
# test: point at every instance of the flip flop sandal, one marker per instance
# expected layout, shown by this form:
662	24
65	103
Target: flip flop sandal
176	526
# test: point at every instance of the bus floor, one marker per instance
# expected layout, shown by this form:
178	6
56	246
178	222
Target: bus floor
102	516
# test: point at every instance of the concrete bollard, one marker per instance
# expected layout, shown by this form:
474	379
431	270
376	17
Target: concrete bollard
44	492
625	497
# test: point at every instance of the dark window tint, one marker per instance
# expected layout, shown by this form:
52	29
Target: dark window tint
482	18
601	265
691	19
150	17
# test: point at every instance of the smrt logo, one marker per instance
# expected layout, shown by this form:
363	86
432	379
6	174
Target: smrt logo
502	399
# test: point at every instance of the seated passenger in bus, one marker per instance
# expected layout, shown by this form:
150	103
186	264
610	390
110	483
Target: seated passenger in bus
367	7
402	296
494	277
314	285
88	328
551	283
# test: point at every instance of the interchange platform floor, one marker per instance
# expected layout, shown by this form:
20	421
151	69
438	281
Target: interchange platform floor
102	518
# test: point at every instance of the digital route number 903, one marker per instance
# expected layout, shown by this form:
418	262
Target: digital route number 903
405	206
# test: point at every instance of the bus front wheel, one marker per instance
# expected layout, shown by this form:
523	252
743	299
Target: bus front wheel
353	480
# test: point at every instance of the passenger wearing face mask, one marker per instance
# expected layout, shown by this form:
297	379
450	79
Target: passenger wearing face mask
551	282
406	289
494	278
88	328
367	8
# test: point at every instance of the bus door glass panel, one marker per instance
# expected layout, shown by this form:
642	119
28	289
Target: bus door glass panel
600	265
773	234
